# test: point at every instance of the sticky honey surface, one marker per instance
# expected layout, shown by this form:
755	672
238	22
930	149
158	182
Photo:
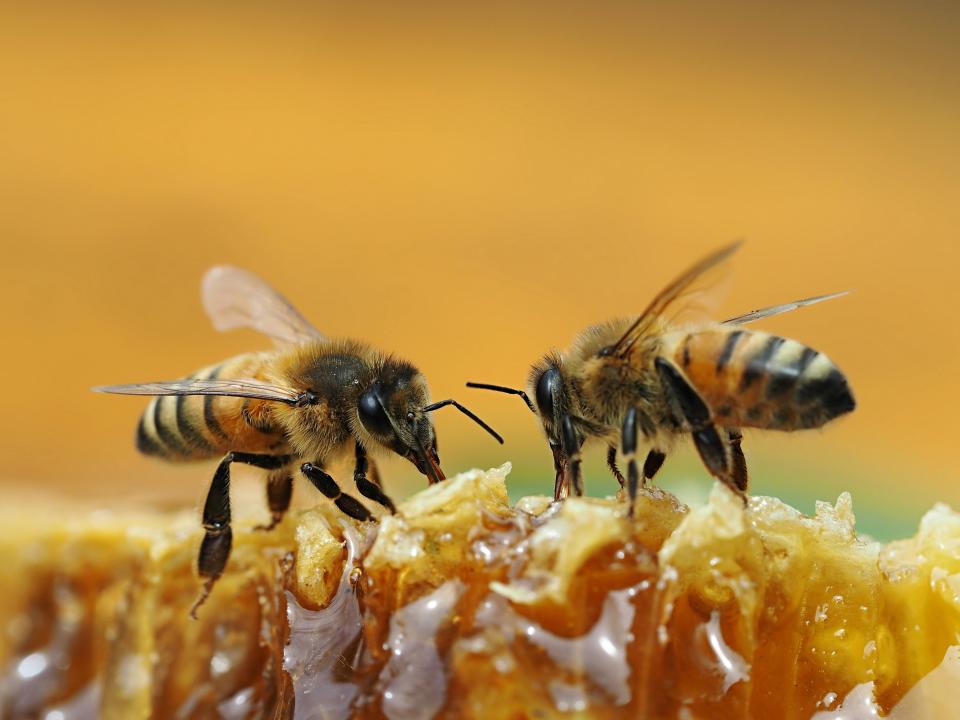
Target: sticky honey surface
462	606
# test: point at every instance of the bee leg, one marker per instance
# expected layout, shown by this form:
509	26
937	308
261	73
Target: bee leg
612	464
738	461
328	486
218	537
628	444
279	484
712	448
279	493
559	466
713	452
373	472
652	464
571	448
369	488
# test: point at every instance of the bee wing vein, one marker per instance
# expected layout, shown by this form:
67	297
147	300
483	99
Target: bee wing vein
236	298
234	388
780	309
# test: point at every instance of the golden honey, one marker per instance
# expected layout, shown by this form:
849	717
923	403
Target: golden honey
462	606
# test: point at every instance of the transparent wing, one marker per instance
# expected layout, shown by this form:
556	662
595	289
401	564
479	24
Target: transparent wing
780	309
236	298
233	388
690	293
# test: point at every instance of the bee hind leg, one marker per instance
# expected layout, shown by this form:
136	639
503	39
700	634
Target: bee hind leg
370	487
738	462
218	535
347	504
723	459
652	464
719	453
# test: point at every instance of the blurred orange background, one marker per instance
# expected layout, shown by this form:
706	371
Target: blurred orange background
468	188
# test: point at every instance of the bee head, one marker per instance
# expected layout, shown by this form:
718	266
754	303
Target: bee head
392	411
548	386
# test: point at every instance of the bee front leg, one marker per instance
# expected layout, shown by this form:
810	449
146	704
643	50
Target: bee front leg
369	488
571	448
373	472
628	444
651	465
560	467
328	486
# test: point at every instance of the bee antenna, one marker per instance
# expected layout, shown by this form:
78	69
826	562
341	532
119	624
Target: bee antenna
507	390
465	411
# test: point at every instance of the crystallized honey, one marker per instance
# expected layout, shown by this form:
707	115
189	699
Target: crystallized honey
461	606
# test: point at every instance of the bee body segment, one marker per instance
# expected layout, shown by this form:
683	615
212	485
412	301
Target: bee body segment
759	380
200	427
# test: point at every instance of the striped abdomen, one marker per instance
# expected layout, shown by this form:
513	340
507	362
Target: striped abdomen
753	379
196	427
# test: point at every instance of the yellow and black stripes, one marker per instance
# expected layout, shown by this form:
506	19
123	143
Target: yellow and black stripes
196	427
209	414
728	347
146	439
167	430
802	388
758	365
754	379
175	427
788	374
187	425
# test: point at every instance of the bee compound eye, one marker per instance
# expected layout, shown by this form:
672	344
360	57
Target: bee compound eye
372	414
547	387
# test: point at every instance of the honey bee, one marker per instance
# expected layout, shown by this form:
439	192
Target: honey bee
303	404
655	376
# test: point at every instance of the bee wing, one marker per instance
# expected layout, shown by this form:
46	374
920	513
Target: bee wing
688	292
234	388
780	309
236	298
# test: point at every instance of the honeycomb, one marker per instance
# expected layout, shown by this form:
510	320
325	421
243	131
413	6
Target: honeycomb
463	606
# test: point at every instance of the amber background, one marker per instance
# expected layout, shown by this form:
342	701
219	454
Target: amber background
469	187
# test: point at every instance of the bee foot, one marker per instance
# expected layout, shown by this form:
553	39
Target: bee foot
204	594
269	526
